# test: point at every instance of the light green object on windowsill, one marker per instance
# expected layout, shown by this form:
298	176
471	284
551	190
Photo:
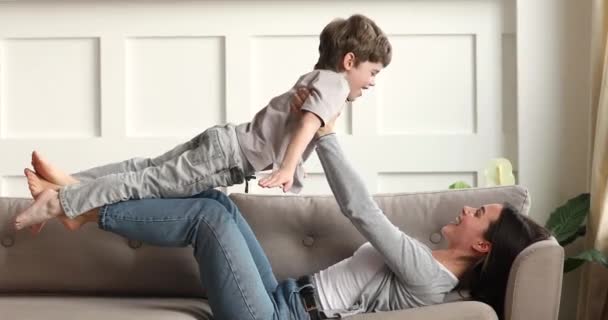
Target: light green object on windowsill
499	172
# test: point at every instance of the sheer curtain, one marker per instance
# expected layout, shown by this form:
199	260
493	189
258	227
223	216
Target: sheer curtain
593	295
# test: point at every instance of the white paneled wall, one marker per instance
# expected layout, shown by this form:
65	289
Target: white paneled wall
44	81
174	85
432	86
89	82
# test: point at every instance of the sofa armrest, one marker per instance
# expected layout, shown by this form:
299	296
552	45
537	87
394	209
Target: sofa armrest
535	282
470	310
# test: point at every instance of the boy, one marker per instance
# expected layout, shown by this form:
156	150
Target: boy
351	53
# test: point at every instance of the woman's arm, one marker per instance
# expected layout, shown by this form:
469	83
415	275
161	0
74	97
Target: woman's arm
405	256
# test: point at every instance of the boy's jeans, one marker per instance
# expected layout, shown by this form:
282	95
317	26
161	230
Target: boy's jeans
211	159
233	267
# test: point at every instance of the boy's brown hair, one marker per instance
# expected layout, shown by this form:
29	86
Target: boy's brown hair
357	34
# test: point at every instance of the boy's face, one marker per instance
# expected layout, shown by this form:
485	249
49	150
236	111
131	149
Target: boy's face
361	77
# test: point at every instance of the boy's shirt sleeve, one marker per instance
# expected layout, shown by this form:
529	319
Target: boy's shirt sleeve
328	93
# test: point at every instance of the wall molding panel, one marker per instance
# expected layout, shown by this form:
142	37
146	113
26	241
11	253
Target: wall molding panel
112	81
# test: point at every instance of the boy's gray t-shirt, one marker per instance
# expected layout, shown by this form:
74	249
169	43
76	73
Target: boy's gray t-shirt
264	140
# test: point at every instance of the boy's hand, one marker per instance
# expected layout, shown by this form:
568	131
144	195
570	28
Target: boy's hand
279	178
297	100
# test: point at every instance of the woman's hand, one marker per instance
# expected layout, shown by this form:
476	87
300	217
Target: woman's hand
328	127
297	100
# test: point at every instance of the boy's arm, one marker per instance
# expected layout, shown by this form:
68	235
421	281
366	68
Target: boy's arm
308	125
319	103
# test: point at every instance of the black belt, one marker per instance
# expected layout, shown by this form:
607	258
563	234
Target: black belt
307	293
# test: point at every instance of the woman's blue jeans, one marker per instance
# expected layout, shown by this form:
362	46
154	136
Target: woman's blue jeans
234	269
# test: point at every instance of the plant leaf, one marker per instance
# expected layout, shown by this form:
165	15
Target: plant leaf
459	185
566	220
571	264
592	255
580	232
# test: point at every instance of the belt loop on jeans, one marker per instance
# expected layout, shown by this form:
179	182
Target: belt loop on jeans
247	178
307	294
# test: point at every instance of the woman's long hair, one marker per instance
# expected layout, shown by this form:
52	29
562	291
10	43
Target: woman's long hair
509	235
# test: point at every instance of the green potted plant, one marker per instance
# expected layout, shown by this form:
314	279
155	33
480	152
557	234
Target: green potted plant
568	222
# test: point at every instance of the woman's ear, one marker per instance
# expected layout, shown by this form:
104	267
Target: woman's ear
348	62
482	246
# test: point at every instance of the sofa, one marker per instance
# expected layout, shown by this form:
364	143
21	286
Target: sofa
91	274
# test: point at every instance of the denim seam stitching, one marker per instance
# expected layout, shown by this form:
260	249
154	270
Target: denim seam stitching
103	211
199	178
125	218
230	264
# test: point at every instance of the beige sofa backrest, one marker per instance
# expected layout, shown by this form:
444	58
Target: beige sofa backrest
307	233
88	261
300	235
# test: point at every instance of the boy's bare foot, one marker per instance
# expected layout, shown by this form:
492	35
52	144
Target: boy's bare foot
49	172
37	184
50	177
45	207
78	221
70	224
35	229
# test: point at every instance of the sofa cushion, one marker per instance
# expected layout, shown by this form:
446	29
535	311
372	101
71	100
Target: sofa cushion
305	234
300	235
124	308
115	308
469	310
88	261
